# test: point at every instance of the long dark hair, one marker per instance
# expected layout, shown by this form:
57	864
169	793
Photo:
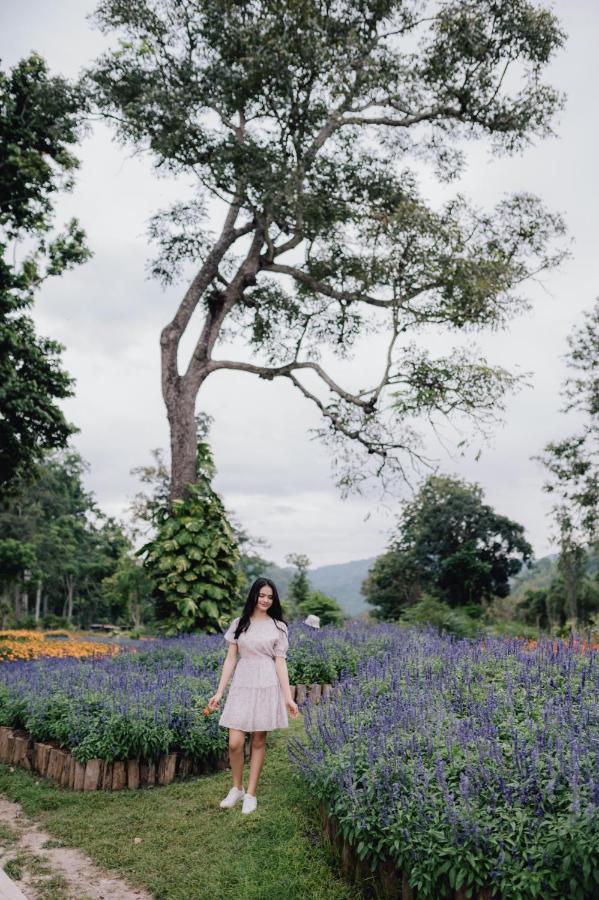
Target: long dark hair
274	610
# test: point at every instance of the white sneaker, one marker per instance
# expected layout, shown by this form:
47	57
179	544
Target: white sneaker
232	797
249	804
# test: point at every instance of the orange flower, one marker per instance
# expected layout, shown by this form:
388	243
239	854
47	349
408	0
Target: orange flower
23	644
206	711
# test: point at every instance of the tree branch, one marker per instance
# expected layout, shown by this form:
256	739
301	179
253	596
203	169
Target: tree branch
218	311
284	371
171	333
321	287
408	120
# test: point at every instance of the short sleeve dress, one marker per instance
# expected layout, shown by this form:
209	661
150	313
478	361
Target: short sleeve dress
255	699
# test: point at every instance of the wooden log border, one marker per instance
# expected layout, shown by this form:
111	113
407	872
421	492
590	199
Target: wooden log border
314	692
383	881
18	748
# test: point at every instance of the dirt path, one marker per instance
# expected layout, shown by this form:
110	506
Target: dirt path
43	869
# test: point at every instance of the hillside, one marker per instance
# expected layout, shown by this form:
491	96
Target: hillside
540	575
341	581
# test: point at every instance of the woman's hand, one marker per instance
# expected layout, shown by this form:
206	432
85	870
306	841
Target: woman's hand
214	701
292	708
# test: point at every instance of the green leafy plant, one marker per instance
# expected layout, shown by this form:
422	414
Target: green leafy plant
193	559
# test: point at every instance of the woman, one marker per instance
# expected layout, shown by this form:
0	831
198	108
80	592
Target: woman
260	696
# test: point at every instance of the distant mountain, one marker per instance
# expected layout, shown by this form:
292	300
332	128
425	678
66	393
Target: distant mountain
542	573
341	581
538	577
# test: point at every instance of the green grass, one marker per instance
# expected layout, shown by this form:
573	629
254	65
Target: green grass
190	848
48	885
8	835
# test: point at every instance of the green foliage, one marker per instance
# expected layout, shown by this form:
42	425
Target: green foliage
573	464
70	546
38	125
449	543
548	607
193	559
298	591
391	585
128	592
301	119
320	604
432	611
147	506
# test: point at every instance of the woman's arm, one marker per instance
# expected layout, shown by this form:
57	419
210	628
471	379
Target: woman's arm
283	676
228	668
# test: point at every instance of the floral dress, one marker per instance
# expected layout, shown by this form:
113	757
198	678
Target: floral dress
255	699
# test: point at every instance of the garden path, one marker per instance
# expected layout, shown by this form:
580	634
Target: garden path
178	844
44	868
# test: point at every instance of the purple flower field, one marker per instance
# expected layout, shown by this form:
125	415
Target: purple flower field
151	701
469	763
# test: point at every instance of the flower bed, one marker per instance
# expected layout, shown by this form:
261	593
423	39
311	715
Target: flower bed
23	645
127	706
149	703
465	766
324	655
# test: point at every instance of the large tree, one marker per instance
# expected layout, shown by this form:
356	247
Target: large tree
573	463
451	544
39	117
57	546
299	587
296	123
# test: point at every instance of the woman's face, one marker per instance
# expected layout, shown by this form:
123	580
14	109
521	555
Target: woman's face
265	597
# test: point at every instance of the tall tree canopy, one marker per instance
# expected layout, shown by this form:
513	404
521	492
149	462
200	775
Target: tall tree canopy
38	126
57	546
300	120
450	544
573	463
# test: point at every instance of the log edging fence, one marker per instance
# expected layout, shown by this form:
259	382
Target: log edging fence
314	692
384	881
18	748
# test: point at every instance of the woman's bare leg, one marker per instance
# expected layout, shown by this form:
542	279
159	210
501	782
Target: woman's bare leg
256	760
236	743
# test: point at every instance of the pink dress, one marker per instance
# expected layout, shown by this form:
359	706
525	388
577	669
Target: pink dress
255	699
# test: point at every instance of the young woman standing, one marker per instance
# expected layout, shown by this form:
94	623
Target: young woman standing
259	697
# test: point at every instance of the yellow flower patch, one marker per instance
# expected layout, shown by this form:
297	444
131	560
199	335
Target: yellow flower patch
23	644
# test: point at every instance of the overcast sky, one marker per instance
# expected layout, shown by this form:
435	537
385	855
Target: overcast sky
273	477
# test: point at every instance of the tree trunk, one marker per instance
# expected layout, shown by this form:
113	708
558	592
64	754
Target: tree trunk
180	391
45	604
135	608
184	449
571	564
69	599
38	599
17	602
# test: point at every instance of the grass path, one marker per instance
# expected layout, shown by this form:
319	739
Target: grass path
190	849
